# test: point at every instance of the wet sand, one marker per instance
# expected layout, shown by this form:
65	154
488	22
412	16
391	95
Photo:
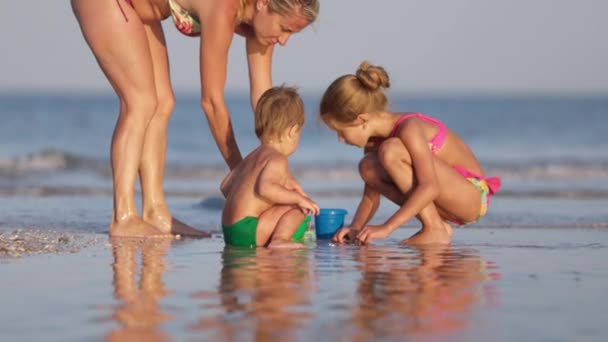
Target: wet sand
22	243
533	270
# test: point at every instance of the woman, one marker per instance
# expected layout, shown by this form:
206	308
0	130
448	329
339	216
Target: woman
128	42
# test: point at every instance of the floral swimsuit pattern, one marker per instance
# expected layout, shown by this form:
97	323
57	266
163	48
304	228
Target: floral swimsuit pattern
185	22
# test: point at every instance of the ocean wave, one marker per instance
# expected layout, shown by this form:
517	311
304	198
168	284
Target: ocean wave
45	161
54	161
318	192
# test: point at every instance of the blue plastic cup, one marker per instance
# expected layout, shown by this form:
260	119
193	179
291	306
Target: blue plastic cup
328	222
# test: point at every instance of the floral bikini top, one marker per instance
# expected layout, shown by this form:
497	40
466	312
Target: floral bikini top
436	142
185	22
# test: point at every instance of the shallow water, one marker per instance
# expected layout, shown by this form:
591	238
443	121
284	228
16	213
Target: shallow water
491	284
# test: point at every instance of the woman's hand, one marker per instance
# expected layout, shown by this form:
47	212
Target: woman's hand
370	233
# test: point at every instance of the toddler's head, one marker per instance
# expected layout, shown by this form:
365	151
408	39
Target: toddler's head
279	115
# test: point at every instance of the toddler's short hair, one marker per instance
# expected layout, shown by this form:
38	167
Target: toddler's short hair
278	109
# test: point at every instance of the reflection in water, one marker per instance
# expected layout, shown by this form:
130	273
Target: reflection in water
138	313
264	295
346	293
431	290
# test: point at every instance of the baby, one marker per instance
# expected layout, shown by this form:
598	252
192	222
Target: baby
265	205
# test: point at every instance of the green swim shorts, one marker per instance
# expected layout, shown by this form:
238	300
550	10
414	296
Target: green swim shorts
243	232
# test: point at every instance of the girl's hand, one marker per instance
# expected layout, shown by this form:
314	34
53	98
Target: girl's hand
345	234
369	233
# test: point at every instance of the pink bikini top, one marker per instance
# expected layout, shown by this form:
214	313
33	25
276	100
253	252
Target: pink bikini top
436	142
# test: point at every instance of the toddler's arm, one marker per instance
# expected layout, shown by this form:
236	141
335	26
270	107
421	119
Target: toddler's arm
226	184
270	185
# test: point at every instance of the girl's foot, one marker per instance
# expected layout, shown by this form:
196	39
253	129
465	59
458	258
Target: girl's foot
427	235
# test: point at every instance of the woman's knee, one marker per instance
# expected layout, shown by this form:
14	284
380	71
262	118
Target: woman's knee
140	108
165	105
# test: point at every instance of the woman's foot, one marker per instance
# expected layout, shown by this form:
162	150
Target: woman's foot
164	222
135	227
431	235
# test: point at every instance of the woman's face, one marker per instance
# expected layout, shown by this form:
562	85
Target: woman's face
272	28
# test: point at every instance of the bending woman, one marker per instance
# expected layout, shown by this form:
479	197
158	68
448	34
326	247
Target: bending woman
128	42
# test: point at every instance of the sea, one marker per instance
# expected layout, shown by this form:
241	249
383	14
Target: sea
549	146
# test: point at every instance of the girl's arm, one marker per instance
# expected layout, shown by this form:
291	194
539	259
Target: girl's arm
366	209
269	186
425	191
371	199
216	36
259	60
423	165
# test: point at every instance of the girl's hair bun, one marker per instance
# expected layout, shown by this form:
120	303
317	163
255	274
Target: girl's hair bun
372	77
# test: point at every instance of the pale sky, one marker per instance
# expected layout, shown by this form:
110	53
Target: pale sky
427	46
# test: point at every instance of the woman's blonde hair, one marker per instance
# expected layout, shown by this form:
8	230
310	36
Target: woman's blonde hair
309	9
350	95
278	109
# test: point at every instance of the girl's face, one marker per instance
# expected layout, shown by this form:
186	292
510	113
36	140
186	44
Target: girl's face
272	28
355	133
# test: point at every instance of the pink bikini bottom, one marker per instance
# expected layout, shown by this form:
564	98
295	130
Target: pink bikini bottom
487	187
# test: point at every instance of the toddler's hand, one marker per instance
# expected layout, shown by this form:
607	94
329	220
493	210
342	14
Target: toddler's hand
308	206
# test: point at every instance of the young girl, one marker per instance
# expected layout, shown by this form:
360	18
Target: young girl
410	158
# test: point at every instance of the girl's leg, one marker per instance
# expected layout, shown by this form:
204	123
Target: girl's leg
122	52
277	225
395	180
457	198
152	166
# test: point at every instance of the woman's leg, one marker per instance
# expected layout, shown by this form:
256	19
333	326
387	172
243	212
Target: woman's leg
122	52
152	166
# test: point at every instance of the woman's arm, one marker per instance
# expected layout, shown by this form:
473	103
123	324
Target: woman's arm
216	36
259	60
